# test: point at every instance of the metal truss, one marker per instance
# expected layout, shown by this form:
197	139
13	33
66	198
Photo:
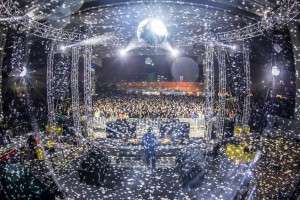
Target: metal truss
246	105
74	88
222	90
8	8
3	32
51	33
88	88
289	9
50	92
209	88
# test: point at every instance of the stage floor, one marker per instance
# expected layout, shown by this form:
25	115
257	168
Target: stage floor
136	182
128	178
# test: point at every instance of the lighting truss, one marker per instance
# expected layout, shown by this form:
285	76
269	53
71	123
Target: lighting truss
289	9
209	88
3	32
74	88
88	88
222	90
44	31
50	92
246	106
8	9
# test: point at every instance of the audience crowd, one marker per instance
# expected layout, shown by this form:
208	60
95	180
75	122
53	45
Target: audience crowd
148	106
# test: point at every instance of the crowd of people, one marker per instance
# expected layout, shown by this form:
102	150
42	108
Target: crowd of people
148	106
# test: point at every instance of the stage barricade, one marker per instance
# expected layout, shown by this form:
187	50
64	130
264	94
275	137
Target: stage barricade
196	124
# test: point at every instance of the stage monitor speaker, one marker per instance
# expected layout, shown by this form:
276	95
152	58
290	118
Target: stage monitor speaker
88	177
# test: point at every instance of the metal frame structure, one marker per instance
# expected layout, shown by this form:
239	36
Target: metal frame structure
209	88
88	88
246	105
222	90
289	9
50	94
9	9
3	33
74	88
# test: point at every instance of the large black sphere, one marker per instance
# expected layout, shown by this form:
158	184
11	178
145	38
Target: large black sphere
151	32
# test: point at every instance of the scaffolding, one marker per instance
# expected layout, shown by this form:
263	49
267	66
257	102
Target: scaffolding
246	104
288	10
74	88
209	88
88	89
222	90
50	93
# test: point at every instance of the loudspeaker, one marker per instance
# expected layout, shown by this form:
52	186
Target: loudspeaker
88	177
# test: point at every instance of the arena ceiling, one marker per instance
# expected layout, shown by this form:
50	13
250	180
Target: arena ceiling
120	18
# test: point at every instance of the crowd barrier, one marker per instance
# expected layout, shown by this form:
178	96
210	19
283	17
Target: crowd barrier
143	123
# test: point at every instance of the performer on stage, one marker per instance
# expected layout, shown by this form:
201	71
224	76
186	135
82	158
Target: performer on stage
149	142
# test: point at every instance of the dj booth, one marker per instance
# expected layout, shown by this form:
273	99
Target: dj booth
134	147
123	128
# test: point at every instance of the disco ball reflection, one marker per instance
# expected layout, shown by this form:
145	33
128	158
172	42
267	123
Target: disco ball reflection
151	32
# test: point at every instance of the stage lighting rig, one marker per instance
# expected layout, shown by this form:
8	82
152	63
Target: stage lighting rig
275	71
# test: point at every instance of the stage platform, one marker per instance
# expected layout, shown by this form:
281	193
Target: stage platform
197	127
122	154
100	133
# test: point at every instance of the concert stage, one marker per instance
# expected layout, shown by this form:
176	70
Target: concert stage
120	152
131	181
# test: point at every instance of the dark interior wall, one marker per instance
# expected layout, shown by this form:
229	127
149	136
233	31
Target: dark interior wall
134	68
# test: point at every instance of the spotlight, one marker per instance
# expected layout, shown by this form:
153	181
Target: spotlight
174	52
234	47
62	48
123	52
275	71
23	72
